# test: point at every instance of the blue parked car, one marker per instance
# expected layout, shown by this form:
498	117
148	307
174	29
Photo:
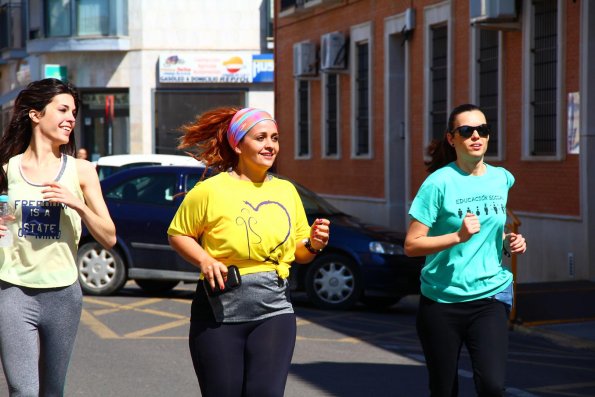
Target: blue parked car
361	262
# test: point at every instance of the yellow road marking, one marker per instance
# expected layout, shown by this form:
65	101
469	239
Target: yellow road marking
545	364
563	390
349	339
186	301
560	321
97	327
158	328
116	307
162	313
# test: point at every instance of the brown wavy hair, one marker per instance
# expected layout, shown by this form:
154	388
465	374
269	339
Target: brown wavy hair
17	134
440	151
206	139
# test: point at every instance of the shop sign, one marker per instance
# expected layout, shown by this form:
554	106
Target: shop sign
574	104
213	67
263	68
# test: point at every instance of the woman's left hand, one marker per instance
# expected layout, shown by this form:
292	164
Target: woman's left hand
319	233
517	243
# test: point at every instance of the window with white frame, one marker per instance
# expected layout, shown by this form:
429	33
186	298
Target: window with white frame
438	80
58	18
302	147
437	70
65	18
330	112
486	70
361	91
543	99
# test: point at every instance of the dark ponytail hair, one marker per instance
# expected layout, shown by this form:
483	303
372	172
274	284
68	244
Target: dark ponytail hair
440	151
17	135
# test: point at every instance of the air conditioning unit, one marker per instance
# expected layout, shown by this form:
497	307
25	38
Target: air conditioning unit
333	51
304	59
492	11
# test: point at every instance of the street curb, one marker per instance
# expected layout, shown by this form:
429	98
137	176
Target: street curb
556	337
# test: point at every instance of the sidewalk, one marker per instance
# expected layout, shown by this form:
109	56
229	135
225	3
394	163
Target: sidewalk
563	312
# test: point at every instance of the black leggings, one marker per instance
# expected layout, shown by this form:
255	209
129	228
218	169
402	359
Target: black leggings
482	325
249	359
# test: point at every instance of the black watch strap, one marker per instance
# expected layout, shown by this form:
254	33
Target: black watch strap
311	249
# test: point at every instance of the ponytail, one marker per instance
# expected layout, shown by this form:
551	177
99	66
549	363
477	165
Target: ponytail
206	139
441	153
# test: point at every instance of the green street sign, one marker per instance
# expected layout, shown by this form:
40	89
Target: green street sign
56	71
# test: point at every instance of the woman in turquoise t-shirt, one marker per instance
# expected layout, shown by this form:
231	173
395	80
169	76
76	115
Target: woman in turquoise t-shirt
242	341
458	218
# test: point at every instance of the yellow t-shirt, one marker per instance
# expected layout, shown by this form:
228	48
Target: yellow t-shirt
254	226
45	234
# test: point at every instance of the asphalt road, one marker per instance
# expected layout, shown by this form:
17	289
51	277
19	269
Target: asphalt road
136	345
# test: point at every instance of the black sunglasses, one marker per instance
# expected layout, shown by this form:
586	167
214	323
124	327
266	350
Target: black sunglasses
466	130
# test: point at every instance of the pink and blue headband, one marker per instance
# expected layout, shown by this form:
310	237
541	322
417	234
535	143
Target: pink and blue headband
242	122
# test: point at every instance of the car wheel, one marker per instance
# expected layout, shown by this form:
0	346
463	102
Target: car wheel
333	282
101	271
156	286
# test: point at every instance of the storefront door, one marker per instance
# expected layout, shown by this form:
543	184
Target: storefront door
105	124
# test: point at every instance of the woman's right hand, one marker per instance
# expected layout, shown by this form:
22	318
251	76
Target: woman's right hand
469	227
214	272
5	220
3	229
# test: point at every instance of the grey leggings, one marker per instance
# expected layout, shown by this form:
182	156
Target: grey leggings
37	332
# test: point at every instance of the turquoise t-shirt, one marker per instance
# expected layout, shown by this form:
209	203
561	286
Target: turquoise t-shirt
473	269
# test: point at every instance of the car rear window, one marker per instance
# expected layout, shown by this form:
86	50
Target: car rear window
158	189
103	171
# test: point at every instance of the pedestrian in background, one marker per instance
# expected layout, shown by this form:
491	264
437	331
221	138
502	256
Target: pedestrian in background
50	191
458	219
82	154
242	341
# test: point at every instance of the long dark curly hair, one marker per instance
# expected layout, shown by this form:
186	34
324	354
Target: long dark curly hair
17	135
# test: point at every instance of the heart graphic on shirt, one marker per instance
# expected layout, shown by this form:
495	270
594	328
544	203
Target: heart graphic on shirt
268	215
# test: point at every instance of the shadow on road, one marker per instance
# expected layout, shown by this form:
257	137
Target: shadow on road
360	379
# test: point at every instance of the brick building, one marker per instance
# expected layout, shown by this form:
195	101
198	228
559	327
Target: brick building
362	87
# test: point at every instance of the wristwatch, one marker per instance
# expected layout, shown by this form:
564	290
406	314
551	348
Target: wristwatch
312	250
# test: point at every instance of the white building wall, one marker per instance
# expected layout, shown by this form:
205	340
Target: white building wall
141	88
556	240
262	100
188	25
195	24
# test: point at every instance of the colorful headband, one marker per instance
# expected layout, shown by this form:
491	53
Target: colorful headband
242	122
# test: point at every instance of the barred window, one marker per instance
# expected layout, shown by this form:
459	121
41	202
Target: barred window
331	115
488	83
544	64
362	119
11	26
438	80
303	118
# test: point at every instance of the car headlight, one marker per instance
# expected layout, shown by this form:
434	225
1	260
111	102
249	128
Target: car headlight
381	247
